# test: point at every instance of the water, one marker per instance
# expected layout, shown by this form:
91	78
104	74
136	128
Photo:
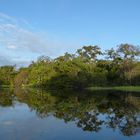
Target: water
69	115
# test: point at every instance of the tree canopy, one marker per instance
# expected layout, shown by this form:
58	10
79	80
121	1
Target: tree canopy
88	66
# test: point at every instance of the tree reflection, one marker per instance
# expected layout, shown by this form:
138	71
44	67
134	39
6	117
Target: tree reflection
90	111
90	122
6	98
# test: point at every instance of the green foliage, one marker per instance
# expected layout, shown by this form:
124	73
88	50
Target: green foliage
7	74
21	77
79	70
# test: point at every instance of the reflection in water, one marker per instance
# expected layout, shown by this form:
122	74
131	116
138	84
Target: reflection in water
89	111
6	98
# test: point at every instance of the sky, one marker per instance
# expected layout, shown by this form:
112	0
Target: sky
31	28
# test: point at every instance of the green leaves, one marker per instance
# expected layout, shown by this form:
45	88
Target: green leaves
79	70
89	52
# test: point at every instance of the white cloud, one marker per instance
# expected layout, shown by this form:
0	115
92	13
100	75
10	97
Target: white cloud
23	39
17	37
11	47
18	61
4	17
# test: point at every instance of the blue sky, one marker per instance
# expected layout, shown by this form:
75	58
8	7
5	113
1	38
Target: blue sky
30	28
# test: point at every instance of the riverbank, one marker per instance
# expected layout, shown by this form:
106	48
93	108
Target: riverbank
120	88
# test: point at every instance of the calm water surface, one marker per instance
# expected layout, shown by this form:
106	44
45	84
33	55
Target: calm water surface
68	115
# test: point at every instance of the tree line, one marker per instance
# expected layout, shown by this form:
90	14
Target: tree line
88	66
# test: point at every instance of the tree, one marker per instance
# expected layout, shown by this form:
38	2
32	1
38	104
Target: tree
21	78
7	74
43	59
80	70
89	52
66	57
128	53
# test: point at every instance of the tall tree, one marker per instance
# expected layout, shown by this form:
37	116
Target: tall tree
89	52
128	53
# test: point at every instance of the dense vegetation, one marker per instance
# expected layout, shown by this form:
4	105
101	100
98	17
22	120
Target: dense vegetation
89	66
